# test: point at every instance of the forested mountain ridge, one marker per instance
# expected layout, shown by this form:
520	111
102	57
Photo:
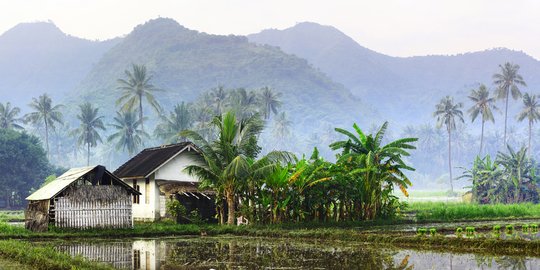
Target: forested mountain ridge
405	89
185	63
38	57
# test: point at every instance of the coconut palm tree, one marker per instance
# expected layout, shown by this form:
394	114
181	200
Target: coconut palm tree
45	113
483	105
135	88
446	113
531	111
170	127
87	132
244	103
129	133
218	97
269	101
507	81
8	117
282	126
225	161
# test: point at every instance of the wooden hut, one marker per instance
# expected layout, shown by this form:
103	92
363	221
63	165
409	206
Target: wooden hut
88	197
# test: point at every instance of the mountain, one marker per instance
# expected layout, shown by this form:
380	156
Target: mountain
404	89
38	57
185	63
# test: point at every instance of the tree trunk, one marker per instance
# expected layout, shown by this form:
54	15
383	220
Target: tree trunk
450	160
88	154
530	136
506	115
482	138
47	138
141	113
230	207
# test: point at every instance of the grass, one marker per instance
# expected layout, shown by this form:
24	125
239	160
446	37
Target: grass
44	257
6	216
448	211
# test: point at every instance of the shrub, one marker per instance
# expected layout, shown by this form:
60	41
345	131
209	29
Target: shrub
421	231
509	229
175	208
459	232
470	231
432	231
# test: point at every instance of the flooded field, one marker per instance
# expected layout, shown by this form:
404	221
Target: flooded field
261	253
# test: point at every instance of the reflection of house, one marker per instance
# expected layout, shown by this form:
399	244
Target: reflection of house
158	173
87	197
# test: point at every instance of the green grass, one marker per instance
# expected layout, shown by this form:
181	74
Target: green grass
6	216
450	211
44	257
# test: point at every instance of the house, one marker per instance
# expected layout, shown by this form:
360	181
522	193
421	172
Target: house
88	197
158	174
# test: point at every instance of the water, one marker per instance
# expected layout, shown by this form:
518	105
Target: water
261	253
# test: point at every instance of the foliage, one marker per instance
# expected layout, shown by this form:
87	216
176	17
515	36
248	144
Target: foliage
175	208
134	89
45	113
23	164
170	127
511	178
446	211
483	105
44	257
129	133
87	132
8	117
531	111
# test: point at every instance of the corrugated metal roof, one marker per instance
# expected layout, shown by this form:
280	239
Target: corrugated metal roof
53	188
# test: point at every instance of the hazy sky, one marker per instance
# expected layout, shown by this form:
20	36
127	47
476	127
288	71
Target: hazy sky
394	27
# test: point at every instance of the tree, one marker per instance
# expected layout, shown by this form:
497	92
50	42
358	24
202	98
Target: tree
379	167
270	101
8	117
483	105
218	97
507	82
23	163
129	133
517	168
170	127
282	126
244	103
446	112
87	132
135	88
225	160
45	113
531	111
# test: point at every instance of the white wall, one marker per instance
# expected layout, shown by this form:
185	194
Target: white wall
174	169
144	211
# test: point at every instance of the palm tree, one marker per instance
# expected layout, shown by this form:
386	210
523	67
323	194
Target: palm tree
129	135
218	97
282	126
517	168
8	117
269	101
179	119
225	161
531	111
446	112
45	113
507	82
136	87
244	103
88	130
483	105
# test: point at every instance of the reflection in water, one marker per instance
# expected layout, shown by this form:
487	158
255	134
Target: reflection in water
254	253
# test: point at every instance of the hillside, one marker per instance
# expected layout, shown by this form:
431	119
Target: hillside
38	57
404	90
185	63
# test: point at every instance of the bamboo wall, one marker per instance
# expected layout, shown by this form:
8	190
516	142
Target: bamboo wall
119	255
81	214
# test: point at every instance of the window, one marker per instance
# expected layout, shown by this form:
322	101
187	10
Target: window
136	259
136	198
147	191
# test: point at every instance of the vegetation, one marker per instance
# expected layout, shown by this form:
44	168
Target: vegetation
45	113
484	106
446	211
88	130
9	117
136	87
511	178
128	135
44	257
531	111
507	81
447	112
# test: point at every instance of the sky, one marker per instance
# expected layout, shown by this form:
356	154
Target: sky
393	27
